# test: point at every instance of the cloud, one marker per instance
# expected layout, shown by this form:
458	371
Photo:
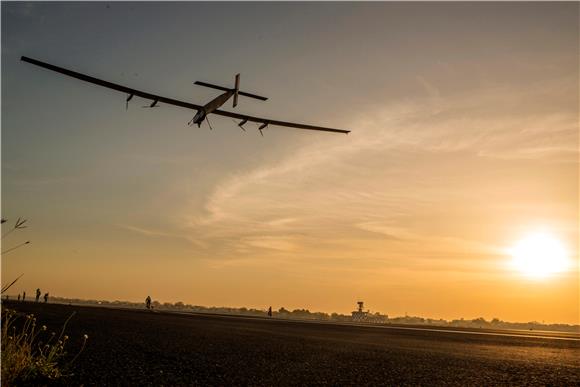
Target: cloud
395	233
162	234
403	163
268	242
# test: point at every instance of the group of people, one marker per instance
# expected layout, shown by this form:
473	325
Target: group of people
38	293
148	306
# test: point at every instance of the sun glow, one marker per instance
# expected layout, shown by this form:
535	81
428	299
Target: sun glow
539	255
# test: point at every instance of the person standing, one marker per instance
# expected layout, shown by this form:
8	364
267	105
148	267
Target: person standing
45	297
18	296
23	296
270	312
37	294
148	302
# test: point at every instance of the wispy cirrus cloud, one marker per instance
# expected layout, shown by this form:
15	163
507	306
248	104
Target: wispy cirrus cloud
391	171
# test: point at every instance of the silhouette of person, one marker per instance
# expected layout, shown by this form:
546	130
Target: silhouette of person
23	296
18	296
45	297
270	312
148	302
37	294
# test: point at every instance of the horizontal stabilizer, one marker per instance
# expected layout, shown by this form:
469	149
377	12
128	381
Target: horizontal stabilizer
212	86
252	96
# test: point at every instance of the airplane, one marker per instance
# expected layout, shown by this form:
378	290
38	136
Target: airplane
212	107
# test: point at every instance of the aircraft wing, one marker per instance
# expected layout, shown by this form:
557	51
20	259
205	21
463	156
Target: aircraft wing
266	121
111	85
170	101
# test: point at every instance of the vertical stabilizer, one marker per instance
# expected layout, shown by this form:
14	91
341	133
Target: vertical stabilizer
237	90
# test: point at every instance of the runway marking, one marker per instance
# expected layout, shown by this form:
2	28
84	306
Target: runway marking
523	334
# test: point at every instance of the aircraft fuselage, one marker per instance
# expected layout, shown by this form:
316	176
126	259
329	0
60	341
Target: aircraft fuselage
212	105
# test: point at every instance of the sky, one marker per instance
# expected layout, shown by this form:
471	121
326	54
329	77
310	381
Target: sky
464	120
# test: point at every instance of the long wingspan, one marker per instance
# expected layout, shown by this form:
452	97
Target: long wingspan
170	101
266	122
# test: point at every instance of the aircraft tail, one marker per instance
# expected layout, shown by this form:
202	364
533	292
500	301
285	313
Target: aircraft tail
236	90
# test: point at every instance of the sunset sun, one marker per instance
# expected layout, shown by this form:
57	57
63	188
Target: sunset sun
539	255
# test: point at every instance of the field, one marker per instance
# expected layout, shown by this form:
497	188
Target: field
131	347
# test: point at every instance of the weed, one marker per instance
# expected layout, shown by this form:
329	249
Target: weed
29	353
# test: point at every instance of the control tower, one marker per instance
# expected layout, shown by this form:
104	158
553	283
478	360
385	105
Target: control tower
360	314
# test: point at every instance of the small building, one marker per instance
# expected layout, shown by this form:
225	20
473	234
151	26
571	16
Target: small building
361	315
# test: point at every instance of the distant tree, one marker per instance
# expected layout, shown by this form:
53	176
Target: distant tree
479	321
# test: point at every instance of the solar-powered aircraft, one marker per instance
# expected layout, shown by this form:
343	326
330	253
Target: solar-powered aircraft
212	107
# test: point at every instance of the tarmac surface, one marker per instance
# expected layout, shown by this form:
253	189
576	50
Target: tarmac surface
132	347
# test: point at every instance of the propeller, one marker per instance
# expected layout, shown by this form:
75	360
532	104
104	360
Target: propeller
263	126
127	101
153	104
241	124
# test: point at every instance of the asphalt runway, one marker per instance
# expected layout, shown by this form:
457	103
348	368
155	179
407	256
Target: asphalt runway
132	347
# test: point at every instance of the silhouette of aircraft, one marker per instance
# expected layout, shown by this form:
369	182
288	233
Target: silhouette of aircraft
212	107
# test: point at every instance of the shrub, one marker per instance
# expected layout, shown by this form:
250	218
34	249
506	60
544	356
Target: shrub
29	353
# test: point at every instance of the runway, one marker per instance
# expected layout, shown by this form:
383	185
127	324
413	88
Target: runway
131	347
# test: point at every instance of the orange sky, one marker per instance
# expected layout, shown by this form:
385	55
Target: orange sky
464	140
